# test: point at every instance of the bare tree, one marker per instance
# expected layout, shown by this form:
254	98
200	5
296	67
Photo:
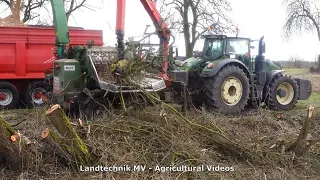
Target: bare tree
73	5
296	61
26	7
302	16
193	17
29	9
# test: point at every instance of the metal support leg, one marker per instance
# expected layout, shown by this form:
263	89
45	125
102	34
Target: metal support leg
185	102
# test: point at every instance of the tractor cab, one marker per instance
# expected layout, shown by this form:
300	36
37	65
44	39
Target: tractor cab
217	47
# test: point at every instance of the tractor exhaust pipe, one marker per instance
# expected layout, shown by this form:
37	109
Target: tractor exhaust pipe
260	59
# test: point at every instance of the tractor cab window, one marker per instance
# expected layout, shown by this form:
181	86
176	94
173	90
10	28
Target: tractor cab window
237	46
213	49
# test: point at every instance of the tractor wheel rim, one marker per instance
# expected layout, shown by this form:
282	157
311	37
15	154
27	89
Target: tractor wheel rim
287	99
36	95
231	91
6	97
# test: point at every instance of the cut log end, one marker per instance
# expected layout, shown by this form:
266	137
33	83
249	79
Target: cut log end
53	108
45	133
310	111
15	137
80	123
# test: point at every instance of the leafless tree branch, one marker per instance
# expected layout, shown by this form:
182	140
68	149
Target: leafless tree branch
193	17
302	16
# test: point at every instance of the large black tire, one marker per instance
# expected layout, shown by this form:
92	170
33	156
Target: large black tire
9	96
273	101
214	87
33	94
97	109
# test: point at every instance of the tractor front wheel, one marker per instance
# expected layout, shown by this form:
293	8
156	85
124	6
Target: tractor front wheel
283	93
228	91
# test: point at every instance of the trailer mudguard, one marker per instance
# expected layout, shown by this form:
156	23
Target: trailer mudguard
220	64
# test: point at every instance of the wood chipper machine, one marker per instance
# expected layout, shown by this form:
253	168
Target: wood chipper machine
75	80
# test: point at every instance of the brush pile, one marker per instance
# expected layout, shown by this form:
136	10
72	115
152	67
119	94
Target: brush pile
255	145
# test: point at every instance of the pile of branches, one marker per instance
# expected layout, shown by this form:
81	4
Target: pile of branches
156	136
136	67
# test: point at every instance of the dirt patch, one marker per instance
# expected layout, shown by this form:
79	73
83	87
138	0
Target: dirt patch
11	22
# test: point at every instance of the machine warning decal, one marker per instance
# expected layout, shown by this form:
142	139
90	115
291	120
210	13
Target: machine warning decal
56	85
69	67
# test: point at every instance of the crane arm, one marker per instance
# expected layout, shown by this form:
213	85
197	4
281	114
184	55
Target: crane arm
160	25
161	28
60	26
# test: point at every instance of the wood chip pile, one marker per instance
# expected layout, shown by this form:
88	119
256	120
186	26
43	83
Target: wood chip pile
11	22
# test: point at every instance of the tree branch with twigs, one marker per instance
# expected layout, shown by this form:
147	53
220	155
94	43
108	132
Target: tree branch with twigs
302	16
193	17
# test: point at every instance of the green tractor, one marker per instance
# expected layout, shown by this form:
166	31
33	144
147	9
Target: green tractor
225	77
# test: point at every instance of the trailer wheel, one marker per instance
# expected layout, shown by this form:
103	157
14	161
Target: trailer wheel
9	95
34	92
283	93
228	91
97	109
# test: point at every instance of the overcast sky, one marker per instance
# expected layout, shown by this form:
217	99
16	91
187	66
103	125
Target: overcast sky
255	18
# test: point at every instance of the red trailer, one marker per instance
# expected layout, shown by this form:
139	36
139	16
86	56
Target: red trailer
25	53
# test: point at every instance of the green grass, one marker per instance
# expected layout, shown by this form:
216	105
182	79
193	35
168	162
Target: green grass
291	71
312	101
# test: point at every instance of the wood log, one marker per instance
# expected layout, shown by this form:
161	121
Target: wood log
301	144
56	145
71	143
12	152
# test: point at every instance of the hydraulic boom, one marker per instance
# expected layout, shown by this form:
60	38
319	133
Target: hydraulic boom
61	27
160	25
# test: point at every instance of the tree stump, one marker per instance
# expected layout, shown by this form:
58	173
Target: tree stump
68	140
301	145
12	150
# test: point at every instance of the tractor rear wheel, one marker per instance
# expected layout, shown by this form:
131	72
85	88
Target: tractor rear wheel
228	91
283	93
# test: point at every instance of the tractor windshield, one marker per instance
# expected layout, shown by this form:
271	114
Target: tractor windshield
237	46
213	48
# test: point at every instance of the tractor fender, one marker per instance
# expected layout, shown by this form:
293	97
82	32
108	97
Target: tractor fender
269	77
217	67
